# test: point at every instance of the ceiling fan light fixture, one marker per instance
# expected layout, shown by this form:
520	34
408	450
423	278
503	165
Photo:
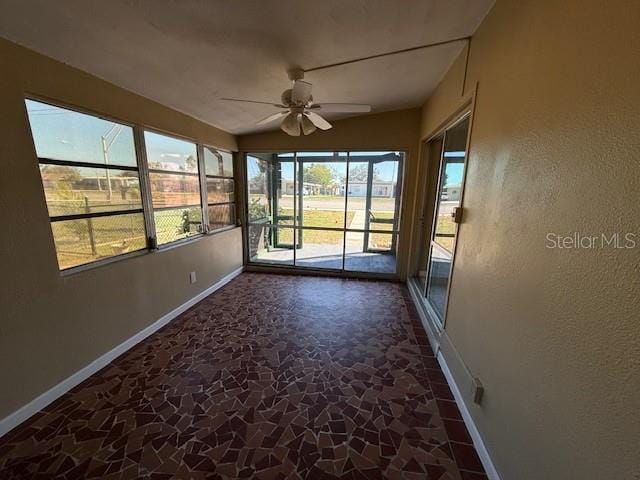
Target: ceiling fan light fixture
291	125
307	125
301	92
300	115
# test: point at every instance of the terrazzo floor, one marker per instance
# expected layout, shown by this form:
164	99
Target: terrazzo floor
271	377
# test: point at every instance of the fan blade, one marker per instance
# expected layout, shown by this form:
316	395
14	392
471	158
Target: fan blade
271	118
318	121
342	107
291	125
277	105
301	92
307	125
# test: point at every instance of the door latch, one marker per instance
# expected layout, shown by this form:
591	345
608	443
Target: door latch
456	215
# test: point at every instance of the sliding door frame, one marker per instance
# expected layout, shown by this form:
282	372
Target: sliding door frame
298	185
465	111
434	220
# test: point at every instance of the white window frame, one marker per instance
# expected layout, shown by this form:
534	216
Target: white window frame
142	168
149	170
205	197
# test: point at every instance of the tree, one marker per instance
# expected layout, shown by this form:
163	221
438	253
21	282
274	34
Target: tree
61	172
258	181
359	172
191	163
319	174
63	179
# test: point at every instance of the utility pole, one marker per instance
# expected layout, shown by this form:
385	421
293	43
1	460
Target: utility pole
106	145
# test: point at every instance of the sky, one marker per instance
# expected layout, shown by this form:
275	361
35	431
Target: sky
454	167
66	135
63	134
169	153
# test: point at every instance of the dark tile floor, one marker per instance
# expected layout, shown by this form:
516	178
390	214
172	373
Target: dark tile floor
272	377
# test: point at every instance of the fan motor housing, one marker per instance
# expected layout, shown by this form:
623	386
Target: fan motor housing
285	98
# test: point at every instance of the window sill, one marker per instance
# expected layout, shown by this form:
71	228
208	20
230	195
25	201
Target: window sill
68	272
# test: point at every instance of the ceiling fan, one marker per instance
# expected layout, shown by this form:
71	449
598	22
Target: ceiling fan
298	112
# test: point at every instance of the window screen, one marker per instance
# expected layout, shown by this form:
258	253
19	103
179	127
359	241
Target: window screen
175	187
221	207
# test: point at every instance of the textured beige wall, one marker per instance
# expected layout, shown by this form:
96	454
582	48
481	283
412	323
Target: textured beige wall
50	325
396	130
554	335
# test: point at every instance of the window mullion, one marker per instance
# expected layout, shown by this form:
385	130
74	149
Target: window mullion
81	216
73	163
234	165
174	172
176	207
220	177
145	188
203	189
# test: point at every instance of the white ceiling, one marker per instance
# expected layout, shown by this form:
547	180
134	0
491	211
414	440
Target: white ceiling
187	54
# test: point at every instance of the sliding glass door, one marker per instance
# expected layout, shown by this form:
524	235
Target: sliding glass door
373	202
324	210
321	221
432	155
270	206
444	212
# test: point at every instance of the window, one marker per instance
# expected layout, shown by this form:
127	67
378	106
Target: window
175	187
91	183
220	188
102	204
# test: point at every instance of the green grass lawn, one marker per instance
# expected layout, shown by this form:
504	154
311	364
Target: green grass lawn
445	226
170	224
317	218
334	219
88	240
381	221
321	218
323	237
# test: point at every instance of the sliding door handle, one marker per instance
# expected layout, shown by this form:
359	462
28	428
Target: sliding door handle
456	215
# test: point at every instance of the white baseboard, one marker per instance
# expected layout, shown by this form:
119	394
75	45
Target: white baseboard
433	334
436	336
481	449
34	406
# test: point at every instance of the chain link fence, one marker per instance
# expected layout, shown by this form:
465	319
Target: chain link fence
84	240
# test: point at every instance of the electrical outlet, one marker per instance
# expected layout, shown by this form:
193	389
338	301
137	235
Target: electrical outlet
477	390
192	277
